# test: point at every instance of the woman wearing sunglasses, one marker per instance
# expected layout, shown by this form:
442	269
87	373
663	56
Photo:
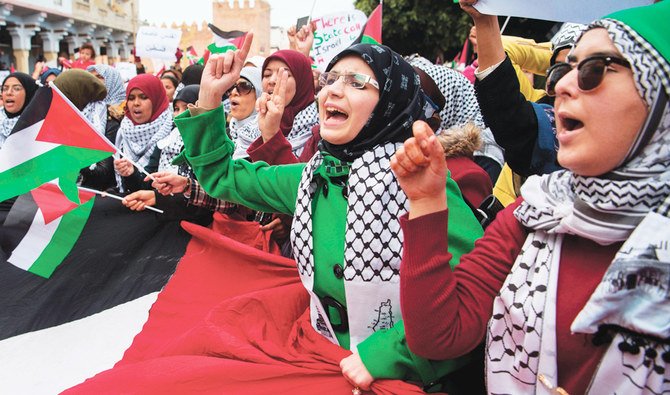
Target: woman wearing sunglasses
243	115
572	278
345	201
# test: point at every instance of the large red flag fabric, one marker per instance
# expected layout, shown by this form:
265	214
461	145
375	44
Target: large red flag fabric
232	319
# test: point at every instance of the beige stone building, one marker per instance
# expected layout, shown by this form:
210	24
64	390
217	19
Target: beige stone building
33	28
231	16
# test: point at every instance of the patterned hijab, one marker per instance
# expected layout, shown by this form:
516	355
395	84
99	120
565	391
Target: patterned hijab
628	312
304	85
113	82
400	101
151	86
461	105
30	87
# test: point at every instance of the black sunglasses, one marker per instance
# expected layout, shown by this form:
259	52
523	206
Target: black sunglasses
590	72
243	88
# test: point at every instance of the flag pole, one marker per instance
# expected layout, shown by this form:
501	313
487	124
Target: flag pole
311	12
105	194
502	30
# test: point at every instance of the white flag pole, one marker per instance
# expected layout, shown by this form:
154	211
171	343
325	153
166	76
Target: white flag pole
105	194
502	30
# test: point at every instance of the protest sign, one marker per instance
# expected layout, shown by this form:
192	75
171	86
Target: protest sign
127	70
157	43
334	33
577	11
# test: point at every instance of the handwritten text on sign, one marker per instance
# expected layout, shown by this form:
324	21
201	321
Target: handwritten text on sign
157	43
334	33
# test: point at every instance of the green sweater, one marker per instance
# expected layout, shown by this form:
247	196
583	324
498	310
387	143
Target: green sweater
274	189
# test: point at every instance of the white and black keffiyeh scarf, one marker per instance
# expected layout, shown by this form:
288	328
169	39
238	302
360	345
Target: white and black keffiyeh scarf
170	146
6	126
116	93
373	244
138	142
461	105
631	306
301	131
96	113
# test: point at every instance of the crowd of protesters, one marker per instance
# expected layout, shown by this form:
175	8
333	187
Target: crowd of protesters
439	218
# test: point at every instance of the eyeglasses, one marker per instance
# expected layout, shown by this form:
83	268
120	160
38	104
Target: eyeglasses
243	88
13	88
354	80
590	72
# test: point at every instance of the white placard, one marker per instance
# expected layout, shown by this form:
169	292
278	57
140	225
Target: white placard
578	11
334	33
127	70
157	43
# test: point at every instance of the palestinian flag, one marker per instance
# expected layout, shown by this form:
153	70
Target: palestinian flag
372	32
191	55
51	140
55	226
224	41
232	320
57	331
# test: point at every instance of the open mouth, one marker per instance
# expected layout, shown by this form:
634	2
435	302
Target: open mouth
571	124
336	114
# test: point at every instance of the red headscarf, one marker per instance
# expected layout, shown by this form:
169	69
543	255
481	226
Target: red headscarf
301	69
151	86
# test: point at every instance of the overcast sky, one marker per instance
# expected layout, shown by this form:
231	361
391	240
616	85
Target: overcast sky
284	12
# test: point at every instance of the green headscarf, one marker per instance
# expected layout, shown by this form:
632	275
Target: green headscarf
81	87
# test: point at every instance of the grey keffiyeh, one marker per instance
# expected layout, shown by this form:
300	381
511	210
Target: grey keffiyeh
631	204
96	113
461	105
116	93
246	132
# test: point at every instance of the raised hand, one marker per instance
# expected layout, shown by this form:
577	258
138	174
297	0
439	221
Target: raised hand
421	170
304	39
468	7
138	201
290	33
167	183
220	74
270	107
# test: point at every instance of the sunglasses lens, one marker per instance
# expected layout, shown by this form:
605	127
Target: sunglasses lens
557	72
591	74
244	88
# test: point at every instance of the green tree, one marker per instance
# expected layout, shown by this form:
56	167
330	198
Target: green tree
429	27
